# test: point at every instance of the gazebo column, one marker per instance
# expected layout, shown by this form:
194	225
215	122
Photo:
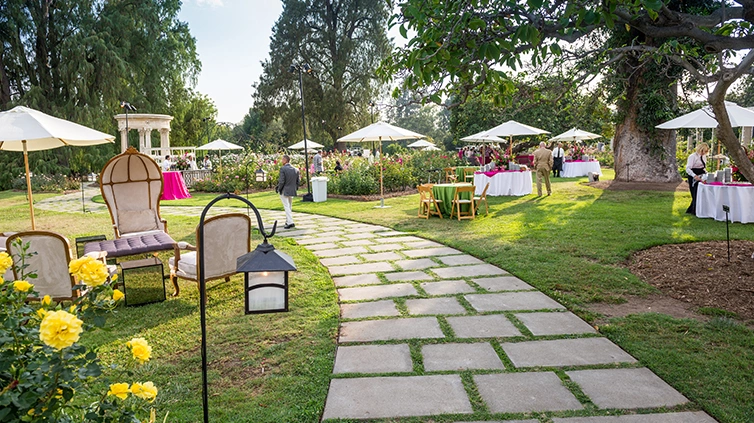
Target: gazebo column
143	135
164	142
123	140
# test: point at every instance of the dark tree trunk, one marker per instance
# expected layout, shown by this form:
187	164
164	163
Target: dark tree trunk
642	154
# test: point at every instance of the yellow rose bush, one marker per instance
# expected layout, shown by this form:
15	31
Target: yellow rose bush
46	375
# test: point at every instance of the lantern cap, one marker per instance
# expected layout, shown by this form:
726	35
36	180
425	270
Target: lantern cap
265	258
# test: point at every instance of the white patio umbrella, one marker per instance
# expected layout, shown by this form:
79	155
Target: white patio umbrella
380	131
309	144
482	137
575	135
430	148
24	129
512	129
420	144
220	145
705	118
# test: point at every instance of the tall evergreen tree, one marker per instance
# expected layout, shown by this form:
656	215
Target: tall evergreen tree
343	41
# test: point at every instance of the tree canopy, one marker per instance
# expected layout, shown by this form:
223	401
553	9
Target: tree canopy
343	41
461	45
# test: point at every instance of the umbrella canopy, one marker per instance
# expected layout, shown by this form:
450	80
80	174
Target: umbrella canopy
220	145
575	135
430	148
513	128
309	144
24	129
420	144
705	118
483	136
380	131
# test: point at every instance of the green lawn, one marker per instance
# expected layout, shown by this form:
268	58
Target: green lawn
571	246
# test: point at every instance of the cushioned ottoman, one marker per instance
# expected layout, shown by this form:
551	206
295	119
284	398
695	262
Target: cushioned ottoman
158	241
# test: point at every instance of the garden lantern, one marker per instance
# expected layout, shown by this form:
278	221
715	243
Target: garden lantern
260	175
265	279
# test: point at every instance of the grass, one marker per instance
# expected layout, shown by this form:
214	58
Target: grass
572	246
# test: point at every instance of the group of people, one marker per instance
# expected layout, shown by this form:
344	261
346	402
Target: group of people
167	164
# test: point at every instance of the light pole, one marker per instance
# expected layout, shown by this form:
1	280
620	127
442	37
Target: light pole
127	107
301	69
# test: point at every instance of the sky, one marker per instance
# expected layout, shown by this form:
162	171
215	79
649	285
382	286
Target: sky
232	39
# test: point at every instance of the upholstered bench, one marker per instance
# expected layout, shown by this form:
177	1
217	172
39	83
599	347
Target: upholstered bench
121	247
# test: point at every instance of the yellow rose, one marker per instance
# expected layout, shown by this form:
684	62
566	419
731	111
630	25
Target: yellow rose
140	349
22	286
41	313
46	300
120	390
89	271
60	329
5	262
146	391
117	295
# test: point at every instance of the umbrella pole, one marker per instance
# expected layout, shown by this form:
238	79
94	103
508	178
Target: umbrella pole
28	187
382	192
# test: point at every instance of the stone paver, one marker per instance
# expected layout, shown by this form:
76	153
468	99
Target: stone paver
390	397
340	252
480	355
377	291
525	392
491	326
431	252
408	276
333	233
416	264
339	260
318	240
387	256
365	235
626	388
446	305
460	260
373	359
389	329
365	279
512	301
390	233
323	246
446	287
386	247
370	309
566	352
357	242
362	229
405	239
502	283
467	271
506	421
422	244
554	323
683	417
352	269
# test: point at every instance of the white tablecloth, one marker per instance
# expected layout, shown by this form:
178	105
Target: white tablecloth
711	198
575	169
504	183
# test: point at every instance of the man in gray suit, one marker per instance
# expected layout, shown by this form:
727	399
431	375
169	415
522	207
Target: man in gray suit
287	185
317	161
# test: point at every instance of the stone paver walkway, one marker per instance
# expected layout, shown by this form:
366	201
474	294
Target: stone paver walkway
429	331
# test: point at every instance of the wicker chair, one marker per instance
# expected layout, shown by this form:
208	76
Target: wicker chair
50	263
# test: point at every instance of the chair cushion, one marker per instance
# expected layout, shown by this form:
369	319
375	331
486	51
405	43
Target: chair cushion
159	241
137	221
186	266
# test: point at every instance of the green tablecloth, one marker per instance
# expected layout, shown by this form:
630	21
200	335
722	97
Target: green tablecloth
459	172
447	193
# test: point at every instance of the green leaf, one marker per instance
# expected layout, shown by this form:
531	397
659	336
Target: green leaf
477	23
403	31
535	4
555	49
653	5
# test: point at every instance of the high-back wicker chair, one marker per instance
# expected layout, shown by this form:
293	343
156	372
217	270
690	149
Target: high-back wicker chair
131	184
50	263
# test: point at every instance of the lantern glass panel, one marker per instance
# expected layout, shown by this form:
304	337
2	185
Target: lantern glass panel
262	298
260	175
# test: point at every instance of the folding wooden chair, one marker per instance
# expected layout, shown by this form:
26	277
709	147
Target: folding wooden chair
458	202
468	174
427	201
482	199
450	174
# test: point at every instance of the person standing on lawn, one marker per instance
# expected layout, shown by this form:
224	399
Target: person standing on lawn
558	154
317	162
696	166
287	186
543	165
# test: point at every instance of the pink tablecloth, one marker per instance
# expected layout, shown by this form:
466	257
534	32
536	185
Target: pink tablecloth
175	187
495	172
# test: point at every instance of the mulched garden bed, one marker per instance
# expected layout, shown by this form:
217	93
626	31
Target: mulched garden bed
699	273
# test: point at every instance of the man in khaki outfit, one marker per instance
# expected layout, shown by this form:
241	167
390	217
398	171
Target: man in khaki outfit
543	165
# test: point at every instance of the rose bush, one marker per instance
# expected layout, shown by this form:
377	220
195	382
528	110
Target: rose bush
46	375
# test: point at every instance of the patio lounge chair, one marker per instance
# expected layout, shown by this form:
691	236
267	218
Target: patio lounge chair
226	237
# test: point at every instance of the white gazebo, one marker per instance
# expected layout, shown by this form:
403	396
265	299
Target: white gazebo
145	124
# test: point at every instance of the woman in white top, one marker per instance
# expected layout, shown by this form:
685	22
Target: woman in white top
696	165
166	164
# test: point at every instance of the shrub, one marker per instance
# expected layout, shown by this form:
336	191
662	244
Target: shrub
46	183
46	374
